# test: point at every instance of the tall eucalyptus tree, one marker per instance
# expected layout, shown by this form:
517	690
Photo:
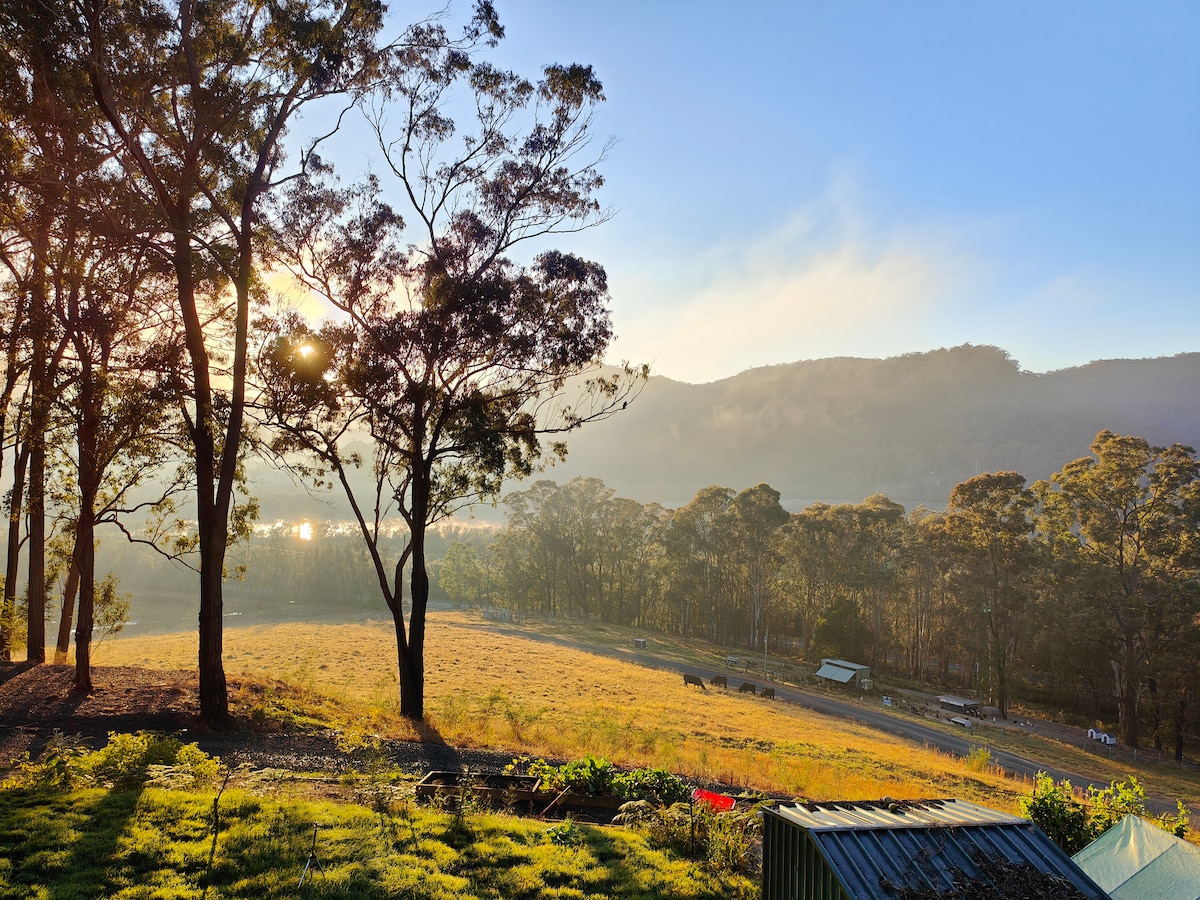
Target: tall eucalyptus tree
990	524
200	94
453	357
1123	523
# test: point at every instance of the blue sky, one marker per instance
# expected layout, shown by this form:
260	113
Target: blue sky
812	179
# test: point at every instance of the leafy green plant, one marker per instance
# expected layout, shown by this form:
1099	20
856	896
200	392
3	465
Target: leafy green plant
59	766
597	776
1111	804
1073	823
564	834
655	785
978	759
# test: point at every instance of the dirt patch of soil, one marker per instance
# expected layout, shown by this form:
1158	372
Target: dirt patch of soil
37	701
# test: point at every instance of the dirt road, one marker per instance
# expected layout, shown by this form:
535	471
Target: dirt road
880	718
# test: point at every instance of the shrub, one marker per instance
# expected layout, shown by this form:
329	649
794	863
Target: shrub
60	765
978	759
724	840
1073	824
1054	809
127	759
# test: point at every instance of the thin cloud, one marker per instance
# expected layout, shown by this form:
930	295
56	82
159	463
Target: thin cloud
810	289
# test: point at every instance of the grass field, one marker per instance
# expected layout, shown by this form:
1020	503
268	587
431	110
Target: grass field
532	691
528	696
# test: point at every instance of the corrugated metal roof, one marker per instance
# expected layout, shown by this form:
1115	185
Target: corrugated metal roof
836	673
957	701
890	849
845	663
889	813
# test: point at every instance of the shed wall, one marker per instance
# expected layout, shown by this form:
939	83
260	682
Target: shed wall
793	867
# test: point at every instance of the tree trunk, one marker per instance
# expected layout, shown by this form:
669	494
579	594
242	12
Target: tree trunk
1155	713
63	647
214	699
212	500
85	563
1127	709
412	670
8	611
35	639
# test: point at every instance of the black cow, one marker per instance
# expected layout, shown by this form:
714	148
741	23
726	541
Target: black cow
747	688
696	680
768	692
719	679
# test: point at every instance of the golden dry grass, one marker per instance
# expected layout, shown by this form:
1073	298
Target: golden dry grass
528	696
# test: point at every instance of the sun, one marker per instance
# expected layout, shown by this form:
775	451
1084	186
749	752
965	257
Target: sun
304	531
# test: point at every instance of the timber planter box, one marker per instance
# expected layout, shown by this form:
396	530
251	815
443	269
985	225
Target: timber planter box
516	792
592	808
495	789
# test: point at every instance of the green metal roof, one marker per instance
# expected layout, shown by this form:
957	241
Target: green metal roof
912	849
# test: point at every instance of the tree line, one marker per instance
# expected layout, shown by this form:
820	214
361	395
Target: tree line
157	183
1081	590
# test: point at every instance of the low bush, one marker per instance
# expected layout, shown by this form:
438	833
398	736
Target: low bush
1074	823
126	760
725	841
597	776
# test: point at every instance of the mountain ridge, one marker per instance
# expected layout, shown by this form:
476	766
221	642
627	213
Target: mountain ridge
911	426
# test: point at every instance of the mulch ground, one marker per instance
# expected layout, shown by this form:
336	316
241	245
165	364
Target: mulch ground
37	701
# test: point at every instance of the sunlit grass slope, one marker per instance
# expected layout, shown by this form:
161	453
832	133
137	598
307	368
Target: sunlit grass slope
129	844
527	696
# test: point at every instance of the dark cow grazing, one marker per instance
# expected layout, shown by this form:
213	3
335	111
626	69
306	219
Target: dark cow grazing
747	688
696	680
719	679
768	692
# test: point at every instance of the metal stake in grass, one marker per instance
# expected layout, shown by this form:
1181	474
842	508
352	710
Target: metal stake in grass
312	864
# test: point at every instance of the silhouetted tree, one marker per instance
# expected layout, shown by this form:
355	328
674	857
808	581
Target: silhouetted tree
200	96
451	356
990	525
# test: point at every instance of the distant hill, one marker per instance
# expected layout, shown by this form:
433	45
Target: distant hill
911	427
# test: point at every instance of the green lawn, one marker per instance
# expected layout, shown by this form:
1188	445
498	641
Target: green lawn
146	842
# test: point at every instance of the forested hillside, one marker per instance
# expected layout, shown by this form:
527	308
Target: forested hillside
910	427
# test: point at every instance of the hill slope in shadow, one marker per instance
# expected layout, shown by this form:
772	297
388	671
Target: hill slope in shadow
911	427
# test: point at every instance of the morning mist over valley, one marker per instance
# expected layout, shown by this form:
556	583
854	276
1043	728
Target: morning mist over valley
838	430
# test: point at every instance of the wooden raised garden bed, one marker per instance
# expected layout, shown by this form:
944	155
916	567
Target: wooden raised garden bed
518	792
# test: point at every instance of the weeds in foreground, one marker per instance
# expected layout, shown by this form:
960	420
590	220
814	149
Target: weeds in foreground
128	839
127	759
724	841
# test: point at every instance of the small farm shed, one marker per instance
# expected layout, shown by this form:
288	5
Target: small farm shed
885	850
843	672
960	705
1135	860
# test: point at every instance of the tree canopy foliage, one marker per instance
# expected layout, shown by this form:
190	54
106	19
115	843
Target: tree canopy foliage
451	357
155	182
1078	591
